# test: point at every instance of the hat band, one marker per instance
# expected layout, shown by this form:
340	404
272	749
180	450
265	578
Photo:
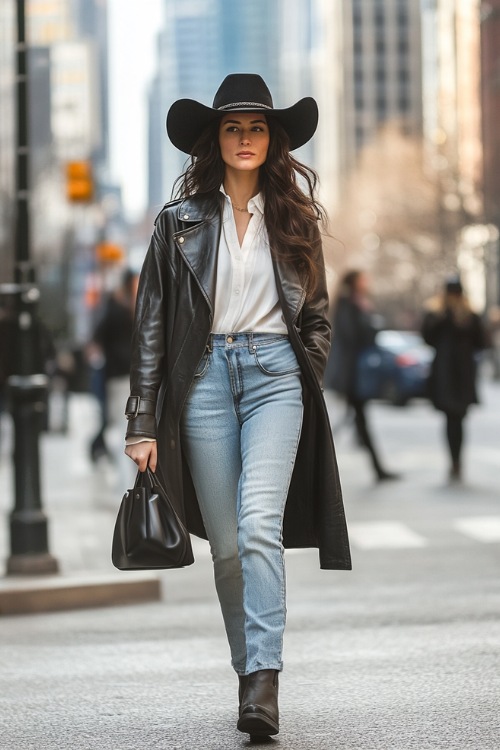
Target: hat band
245	104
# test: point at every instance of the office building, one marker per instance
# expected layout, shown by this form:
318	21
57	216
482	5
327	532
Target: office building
384	69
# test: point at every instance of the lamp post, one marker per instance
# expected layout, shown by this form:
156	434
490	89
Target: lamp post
27	387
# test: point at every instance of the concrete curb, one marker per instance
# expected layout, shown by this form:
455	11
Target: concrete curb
51	594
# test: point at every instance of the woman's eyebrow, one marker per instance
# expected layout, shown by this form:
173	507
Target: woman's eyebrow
238	122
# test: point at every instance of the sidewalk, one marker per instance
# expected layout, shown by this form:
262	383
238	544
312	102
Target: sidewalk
81	502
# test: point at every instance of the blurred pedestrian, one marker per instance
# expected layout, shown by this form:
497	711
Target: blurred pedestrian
457	334
354	330
109	355
230	345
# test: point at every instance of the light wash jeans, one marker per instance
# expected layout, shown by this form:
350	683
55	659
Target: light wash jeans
240	430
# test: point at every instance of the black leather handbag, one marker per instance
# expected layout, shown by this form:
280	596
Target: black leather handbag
149	535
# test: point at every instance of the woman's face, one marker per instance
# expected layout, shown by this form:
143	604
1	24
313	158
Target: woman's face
244	140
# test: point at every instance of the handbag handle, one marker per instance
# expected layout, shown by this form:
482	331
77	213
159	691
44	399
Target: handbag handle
145	478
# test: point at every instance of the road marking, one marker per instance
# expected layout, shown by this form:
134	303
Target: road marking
481	528
384	535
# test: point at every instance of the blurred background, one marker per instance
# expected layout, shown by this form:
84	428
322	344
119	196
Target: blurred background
408	146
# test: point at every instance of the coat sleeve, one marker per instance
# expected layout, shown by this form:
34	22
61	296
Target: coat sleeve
315	328
148	342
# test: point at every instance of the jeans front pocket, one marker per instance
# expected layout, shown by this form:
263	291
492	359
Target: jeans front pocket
276	358
203	365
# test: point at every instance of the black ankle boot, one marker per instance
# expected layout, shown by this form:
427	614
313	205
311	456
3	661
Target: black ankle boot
259	715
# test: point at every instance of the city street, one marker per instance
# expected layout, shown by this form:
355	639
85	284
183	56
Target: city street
401	653
377	121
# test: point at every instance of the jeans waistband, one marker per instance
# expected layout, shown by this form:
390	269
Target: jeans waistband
248	340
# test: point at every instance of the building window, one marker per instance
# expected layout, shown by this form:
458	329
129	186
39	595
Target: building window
358	75
403	76
379	16
380	75
359	101
381	108
380	47
403	47
402	17
360	136
403	103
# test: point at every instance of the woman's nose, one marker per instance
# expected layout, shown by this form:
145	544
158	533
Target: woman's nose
245	138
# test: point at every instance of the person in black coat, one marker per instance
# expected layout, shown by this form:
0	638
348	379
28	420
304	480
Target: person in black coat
110	353
354	330
457	334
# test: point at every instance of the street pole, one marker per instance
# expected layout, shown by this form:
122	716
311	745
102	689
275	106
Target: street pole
28	387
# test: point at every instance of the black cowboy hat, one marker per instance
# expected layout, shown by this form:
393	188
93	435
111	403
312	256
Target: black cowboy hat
239	92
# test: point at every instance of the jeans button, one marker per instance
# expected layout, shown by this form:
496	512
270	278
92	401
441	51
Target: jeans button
229	339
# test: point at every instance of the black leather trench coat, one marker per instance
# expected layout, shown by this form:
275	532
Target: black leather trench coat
173	321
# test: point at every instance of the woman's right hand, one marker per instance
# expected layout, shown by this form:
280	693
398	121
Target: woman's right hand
144	454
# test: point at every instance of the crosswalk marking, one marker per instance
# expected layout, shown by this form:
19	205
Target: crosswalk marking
384	535
373	535
481	528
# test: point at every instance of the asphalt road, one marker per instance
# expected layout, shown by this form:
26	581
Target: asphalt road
401	653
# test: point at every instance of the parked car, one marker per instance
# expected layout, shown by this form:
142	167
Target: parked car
396	368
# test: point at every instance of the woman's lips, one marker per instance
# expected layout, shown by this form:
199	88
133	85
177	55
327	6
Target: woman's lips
245	154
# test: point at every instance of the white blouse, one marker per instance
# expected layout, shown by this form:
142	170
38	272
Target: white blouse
246	298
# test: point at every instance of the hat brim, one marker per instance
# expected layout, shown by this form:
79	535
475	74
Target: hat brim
187	119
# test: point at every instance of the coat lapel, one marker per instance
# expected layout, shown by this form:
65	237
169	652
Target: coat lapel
198	241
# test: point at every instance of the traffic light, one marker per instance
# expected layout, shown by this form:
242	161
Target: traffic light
79	181
109	252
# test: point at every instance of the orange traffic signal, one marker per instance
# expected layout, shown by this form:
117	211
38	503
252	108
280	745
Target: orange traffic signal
79	181
109	252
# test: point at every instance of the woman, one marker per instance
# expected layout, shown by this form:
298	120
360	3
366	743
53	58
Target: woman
457	335
231	339
354	331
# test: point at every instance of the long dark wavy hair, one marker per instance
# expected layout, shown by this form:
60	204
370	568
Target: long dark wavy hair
291	210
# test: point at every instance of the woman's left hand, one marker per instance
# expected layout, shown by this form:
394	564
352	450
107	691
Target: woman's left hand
144	454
